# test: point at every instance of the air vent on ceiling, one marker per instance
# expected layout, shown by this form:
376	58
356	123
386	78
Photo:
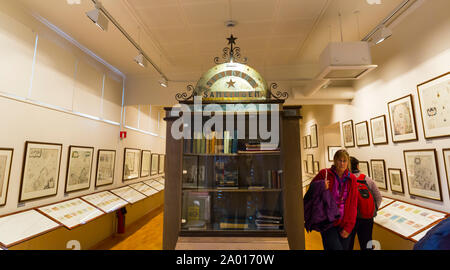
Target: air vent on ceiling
345	61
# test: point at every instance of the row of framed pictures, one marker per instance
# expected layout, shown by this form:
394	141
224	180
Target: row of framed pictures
311	166
311	141
41	168
434	97
422	172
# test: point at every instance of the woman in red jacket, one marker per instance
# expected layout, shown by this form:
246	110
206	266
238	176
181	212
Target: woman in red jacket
343	187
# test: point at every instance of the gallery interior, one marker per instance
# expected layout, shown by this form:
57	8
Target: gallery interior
200	124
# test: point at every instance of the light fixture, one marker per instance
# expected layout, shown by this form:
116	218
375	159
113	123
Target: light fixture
98	18
140	60
163	82
380	35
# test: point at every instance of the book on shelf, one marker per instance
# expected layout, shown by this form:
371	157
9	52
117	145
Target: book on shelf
274	178
268	215
212	143
233	223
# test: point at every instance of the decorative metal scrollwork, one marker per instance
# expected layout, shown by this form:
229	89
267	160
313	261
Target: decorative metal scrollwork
231	54
278	95
185	96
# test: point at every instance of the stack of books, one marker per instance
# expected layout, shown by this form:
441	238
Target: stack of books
266	220
212	143
257	147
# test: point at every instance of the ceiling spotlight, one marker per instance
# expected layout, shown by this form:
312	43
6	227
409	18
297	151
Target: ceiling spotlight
380	35
163	82
98	18
140	60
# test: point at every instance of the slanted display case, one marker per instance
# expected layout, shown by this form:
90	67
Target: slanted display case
234	158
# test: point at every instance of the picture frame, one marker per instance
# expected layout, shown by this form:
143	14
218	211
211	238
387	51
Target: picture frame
402	119
314	139
378	169
422	173
331	151
106	164
364	168
362	134
305	166
316	167
347	134
161	164
305	143
379	130
434	97
396	180
131	164
40	170
446	153
308	141
6	156
154	168
79	168
146	163
310	161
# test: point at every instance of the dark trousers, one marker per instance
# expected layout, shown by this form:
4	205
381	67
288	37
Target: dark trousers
332	240
363	228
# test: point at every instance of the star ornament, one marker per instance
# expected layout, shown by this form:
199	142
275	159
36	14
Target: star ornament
231	83
231	40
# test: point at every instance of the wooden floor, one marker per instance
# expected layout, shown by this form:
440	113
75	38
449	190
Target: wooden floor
146	234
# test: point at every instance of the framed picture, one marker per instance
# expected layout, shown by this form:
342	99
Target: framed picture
305	146
316	167
422	173
364	168
308	141
305	166
155	159
396	180
347	133
362	134
161	164
314	140
40	170
379	173
434	100
446	153
402	119
145	163
6	155
331	151
106	164
379	130
79	168
131	164
310	161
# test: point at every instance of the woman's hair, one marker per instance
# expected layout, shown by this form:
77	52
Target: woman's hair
354	162
341	154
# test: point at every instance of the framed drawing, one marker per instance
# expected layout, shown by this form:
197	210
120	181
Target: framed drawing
40	170
304	143
6	155
379	173
308	141
79	168
362	134
131	163
364	168
161	164
310	161
347	133
446	153
434	100
379	130
422	173
314	140
396	180
305	166
331	151
106	163
316	167
155	159
402	119
145	163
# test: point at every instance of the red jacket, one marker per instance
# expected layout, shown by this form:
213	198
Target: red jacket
347	221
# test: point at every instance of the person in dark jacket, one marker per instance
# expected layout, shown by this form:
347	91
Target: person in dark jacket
343	188
438	238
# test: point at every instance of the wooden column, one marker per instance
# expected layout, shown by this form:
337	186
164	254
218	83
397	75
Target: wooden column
172	190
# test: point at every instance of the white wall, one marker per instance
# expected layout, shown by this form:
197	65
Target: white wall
52	91
418	51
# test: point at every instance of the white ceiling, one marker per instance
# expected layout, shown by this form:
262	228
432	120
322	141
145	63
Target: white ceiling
281	38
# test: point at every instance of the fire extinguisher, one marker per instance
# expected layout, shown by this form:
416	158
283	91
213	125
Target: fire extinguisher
121	220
